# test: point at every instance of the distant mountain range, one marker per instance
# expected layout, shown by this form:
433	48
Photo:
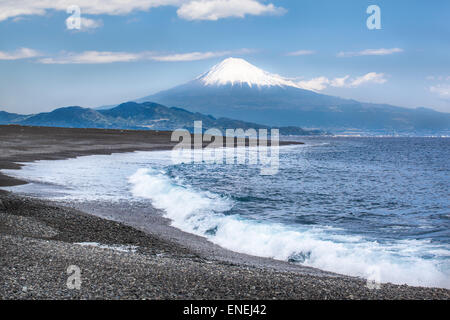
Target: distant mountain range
236	89
135	116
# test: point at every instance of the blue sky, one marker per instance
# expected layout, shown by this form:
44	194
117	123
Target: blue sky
127	49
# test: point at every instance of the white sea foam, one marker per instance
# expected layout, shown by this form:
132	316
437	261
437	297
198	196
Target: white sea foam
202	213
415	262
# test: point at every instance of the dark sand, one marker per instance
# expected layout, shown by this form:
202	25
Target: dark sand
39	241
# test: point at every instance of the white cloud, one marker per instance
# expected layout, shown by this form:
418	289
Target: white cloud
13	8
218	9
99	57
22	53
187	9
370	52
194	56
442	90
316	84
371	77
438	78
86	24
321	83
300	53
17	19
93	57
340	82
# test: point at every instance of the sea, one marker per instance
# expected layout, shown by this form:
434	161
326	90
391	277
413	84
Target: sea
362	206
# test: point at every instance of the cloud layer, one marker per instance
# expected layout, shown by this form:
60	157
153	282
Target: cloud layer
187	9
101	57
22	53
194	56
217	9
85	24
321	83
300	53
89	24
369	52
93	57
443	90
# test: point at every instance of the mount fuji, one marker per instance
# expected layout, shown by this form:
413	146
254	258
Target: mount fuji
236	89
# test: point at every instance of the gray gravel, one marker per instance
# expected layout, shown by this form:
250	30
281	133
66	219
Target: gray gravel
34	264
38	241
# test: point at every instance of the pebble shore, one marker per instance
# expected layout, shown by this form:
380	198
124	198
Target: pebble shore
40	239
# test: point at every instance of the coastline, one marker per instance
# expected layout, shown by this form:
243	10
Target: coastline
39	241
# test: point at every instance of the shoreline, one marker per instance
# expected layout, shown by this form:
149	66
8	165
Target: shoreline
39	241
27	144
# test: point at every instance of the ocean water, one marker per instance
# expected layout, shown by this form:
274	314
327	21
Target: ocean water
368	207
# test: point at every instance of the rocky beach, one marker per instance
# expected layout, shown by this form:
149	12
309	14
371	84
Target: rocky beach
40	239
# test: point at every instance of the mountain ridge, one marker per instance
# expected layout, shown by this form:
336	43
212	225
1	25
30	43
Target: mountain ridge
258	96
135	116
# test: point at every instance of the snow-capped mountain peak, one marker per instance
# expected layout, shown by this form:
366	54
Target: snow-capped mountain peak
238	71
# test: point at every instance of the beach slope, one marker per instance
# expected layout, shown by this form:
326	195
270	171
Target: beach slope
40	240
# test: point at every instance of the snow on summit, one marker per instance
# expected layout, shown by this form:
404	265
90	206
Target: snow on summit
238	71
